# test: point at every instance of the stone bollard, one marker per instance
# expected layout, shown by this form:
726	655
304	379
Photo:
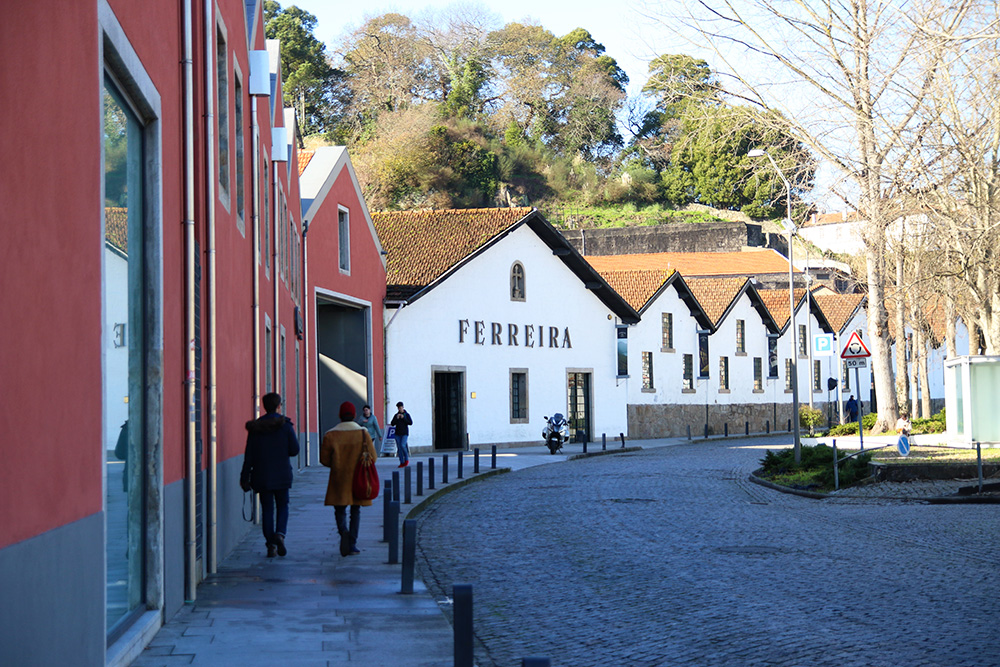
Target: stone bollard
462	596
409	554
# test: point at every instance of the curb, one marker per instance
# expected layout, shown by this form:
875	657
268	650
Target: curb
604	452
930	500
452	486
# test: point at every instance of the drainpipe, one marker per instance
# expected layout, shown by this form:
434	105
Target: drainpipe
255	260
212	542
276	255
306	304
400	305
191	535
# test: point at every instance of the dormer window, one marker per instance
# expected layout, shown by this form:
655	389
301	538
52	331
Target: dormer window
517	282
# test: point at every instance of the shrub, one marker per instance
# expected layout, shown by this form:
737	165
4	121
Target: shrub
850	428
815	469
809	417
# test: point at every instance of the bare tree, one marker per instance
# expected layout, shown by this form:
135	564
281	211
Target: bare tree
868	66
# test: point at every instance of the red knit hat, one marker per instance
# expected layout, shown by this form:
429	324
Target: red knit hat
347	411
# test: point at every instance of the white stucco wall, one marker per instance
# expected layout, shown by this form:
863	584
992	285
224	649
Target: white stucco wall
841	237
426	335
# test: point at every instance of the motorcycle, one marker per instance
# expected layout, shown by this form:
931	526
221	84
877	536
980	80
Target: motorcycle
556	432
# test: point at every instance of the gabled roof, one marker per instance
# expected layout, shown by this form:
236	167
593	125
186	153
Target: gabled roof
316	179
716	295
426	247
839	309
304	158
695	264
636	286
776	301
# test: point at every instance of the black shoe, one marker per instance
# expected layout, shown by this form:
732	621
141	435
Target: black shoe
354	551
279	541
272	551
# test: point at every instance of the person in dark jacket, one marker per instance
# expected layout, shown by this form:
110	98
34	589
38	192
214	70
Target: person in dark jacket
402	422
266	469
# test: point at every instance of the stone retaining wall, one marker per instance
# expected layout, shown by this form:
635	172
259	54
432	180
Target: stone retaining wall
671	421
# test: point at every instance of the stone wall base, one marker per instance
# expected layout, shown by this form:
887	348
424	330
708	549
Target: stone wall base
672	421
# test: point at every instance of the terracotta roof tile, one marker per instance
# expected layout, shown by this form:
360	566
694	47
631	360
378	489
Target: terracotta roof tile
693	264
715	294
421	246
838	307
304	158
636	286
116	227
776	301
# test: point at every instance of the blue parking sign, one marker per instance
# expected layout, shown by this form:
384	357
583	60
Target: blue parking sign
823	345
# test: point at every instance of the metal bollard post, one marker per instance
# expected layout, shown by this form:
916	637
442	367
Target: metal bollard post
467	441
430	473
979	465
395	486
493	457
394	532
406	486
420	478
767	426
747	427
604	442
475	461
462	596
409	554
461	466
789	425
689	431
836	468
725	428
386	508
622	436
706	431
444	469
535	662
584	446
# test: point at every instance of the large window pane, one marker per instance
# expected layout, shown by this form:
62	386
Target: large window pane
123	354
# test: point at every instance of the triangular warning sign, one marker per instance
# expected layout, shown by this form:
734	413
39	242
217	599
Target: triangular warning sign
855	348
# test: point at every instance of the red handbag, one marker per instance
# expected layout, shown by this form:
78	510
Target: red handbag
365	478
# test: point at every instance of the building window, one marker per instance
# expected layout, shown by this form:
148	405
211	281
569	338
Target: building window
268	357
758	374
702	354
788	374
647	371
240	169
667	320
845	377
803	342
688	371
741	337
772	356
817	379
344	239
724	373
222	112
517	282
519	396
622	351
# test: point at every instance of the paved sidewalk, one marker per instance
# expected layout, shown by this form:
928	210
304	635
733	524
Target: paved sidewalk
314	607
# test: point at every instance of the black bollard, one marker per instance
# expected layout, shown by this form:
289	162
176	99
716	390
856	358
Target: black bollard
420	478
444	469
386	507
461	467
535	662
622	436
706	431
584	446
395	486
604	442
409	554
493	457
747	427
725	429
789	425
394	532
406	486
475	461
689	431
462	596
767	426
430	473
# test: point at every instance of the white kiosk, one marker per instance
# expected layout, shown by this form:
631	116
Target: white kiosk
972	384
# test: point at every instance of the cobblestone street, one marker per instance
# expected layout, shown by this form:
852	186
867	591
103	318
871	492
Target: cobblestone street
672	557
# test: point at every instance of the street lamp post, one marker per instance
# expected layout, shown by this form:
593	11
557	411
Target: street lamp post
790	228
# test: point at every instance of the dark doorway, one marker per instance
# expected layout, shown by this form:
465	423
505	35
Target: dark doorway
449	410
342	360
579	407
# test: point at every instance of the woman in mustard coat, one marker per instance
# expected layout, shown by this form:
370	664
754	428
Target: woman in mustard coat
340	452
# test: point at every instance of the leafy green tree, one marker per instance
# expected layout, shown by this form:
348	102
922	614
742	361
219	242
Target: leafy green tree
311	84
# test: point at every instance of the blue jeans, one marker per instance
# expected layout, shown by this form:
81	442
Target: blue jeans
268	500
402	451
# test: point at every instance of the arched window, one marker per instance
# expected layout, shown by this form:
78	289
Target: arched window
517	282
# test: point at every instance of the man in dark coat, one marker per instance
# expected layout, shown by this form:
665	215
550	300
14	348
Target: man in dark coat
851	408
266	469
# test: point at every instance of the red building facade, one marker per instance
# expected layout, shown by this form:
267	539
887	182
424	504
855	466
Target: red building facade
154	257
